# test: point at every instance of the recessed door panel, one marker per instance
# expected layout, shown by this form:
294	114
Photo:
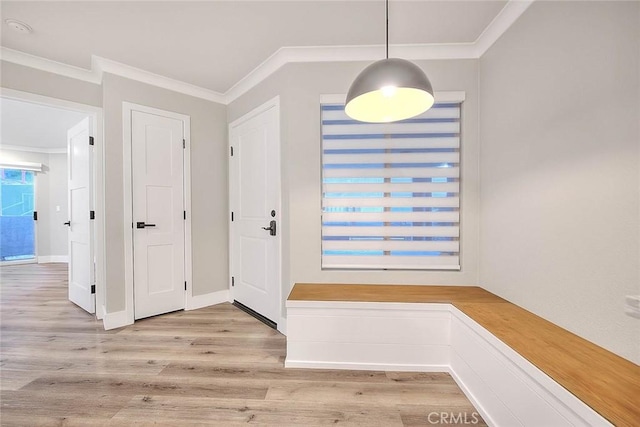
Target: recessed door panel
253	270
253	173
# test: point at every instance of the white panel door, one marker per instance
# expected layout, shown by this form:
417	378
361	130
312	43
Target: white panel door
81	272
158	222
254	198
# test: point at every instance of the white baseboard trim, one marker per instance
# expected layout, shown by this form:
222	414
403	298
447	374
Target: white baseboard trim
117	319
206	300
364	366
53	258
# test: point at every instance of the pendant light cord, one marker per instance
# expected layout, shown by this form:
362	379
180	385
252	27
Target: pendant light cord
387	18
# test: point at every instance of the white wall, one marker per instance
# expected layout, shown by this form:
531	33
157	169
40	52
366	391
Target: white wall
560	219
300	87
58	197
51	191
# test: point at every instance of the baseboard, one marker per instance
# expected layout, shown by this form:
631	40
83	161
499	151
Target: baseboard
53	258
364	366
201	301
115	320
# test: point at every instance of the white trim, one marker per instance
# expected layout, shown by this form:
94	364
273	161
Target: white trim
117	319
127	109
512	10
98	157
53	258
272	103
101	311
500	24
33	260
49	65
365	366
27	166
206	300
127	211
189	299
367	53
33	149
48	101
104	65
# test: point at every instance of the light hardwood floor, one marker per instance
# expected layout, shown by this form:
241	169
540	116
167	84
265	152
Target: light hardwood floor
214	366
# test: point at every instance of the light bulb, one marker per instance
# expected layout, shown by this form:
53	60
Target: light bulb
388	91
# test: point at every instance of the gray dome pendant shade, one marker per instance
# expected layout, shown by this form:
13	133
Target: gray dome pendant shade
389	90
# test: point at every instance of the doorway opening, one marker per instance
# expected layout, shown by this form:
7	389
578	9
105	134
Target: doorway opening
35	197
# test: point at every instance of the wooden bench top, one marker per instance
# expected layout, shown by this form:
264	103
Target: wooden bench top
608	383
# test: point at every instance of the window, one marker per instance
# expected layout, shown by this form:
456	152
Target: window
17	237
391	192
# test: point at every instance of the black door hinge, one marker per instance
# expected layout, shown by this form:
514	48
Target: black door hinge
35	215
233	281
185	285
93	289
231	216
184	214
184	143
91	140
231	151
92	214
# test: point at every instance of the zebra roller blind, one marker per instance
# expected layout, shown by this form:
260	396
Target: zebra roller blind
391	192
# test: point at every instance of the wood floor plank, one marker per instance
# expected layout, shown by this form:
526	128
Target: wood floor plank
227	412
135	384
60	404
215	366
371	393
208	370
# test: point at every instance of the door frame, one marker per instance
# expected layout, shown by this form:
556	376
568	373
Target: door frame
96	114
272	103
127	163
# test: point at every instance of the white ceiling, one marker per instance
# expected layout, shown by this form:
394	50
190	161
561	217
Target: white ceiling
35	126
214	44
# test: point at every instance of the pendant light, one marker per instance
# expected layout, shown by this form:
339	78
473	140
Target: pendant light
389	90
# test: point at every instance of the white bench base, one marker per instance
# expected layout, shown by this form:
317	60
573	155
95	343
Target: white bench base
506	389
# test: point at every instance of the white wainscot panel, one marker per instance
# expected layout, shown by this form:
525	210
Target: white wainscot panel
507	386
355	336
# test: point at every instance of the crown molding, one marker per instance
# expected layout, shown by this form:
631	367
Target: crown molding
512	10
308	54
33	149
500	24
49	65
104	65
